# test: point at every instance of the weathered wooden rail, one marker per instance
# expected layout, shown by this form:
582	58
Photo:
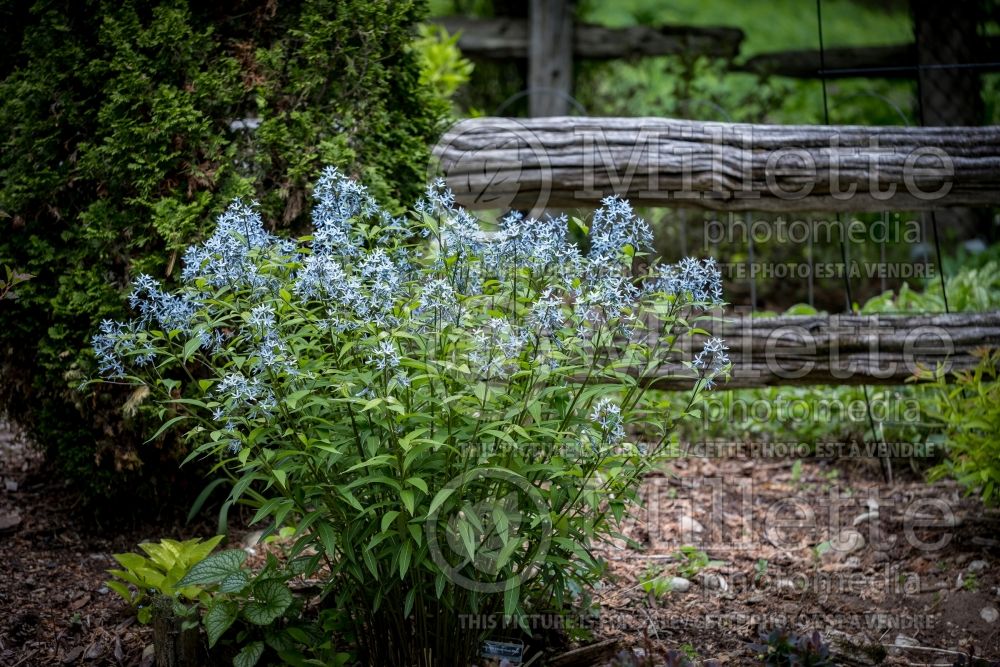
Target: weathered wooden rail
890	61
550	162
509	38
894	61
846	349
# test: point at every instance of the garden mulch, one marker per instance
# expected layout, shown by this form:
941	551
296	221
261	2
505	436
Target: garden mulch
763	523
911	571
54	606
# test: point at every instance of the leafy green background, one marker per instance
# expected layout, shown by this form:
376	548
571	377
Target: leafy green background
118	151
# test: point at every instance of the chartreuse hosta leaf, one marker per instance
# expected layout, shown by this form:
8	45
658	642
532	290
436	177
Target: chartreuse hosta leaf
161	571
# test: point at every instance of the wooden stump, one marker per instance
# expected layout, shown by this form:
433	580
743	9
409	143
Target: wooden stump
175	645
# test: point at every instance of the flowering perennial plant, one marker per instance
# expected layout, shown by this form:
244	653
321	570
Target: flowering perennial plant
437	410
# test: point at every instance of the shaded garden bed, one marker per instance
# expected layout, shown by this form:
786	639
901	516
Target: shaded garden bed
57	610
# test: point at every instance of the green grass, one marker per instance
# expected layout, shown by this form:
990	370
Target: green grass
773	26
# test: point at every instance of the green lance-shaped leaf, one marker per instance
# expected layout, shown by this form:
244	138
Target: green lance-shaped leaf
511	597
441	496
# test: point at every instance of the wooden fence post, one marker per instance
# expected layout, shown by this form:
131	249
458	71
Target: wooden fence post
550	57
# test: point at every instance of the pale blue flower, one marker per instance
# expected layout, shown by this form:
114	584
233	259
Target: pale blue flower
496	348
607	415
534	244
615	226
246	394
339	202
606	297
547	315
226	258
262	319
438	298
712	360
109	346
384	356
691	281
438	199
